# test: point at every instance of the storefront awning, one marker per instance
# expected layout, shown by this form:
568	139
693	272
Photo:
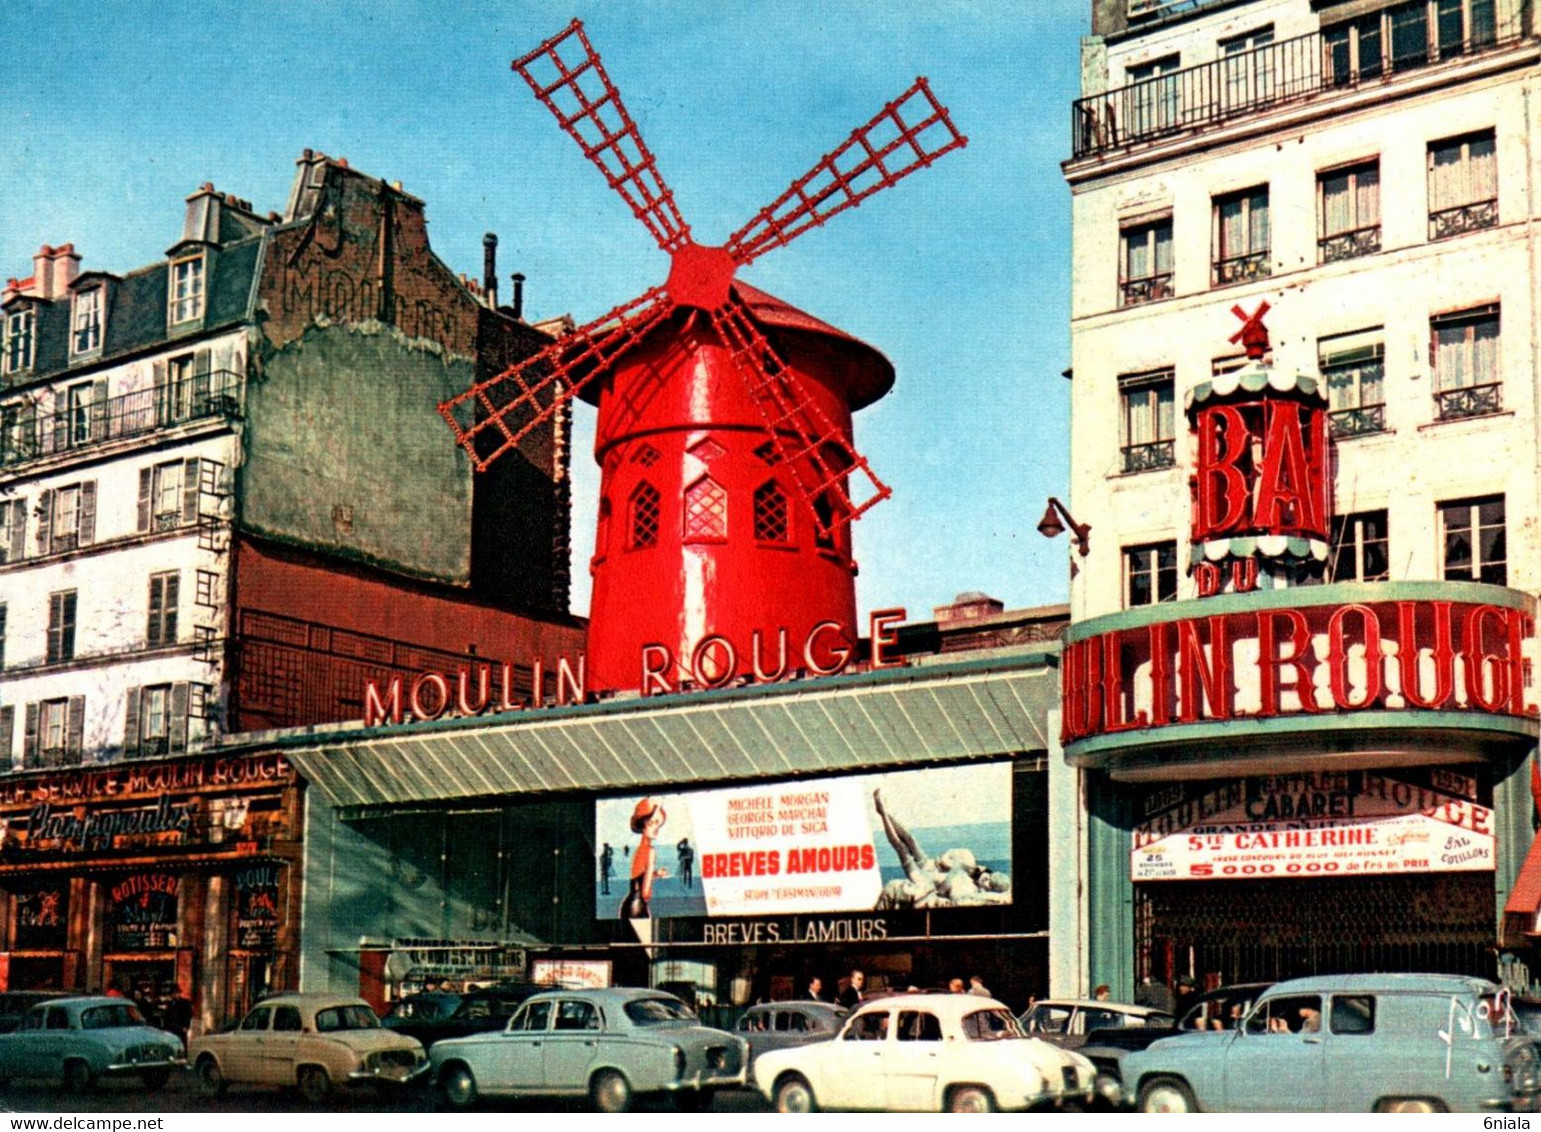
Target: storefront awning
936	712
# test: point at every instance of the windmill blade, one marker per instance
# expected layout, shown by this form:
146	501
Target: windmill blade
816	454
495	415
565	73
908	134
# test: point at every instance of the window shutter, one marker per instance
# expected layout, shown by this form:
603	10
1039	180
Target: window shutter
29	748
201	367
45	522
190	490
145	476
87	524
99	410
152	632
178	724
131	723
169	609
61	438
7	726
19	530
76	742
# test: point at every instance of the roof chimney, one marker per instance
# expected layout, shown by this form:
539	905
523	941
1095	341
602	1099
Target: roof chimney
53	270
490	268
519	295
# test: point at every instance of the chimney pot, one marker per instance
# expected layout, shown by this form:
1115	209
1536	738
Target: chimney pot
307	154
519	294
342	162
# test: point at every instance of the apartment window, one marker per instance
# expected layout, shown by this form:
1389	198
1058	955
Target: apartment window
645	514
1148	420
1463	185
168	495
162	626
1153	95
706	511
61	626
156	718
1348	202
1247	70
1355	49
1474	544
15	433
1359	548
87	321
1354	366
1231	363
1464	25
67	518
13	530
186	289
1463	347
7	735
772	516
55	730
19	326
75	420
1145	262
1241	236
1150	574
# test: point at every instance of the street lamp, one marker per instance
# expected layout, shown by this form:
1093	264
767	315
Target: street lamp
1051	527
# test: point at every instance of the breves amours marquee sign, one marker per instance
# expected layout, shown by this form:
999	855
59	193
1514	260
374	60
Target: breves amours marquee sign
1445	655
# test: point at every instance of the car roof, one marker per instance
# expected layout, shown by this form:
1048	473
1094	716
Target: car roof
602	995
802	1003
948	1004
1099	1004
311	1000
1435	984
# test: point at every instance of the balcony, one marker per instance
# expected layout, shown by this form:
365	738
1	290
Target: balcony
1133	292
1470	401
1241	268
1348	245
204	397
1250	81
1366	420
1463	218
1149	457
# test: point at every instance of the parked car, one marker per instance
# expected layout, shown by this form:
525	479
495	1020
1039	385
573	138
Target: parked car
1347	1043
783	1025
610	1045
435	1015
314	1041
15	1004
925	1052
1106	1048
1067	1021
83	1039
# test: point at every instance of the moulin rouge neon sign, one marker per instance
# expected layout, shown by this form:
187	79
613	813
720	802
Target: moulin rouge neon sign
714	661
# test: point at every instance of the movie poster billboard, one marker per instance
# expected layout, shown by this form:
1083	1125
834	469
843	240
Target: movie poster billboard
929	839
1312	824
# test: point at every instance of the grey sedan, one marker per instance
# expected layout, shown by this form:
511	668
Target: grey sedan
780	1025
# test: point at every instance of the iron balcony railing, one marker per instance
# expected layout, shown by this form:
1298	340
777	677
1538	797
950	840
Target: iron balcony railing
1363	421
1249	81
202	397
1470	401
1148	289
1463	218
1241	268
1349	245
1149	457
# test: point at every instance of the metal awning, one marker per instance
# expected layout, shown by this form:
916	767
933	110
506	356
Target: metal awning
932	713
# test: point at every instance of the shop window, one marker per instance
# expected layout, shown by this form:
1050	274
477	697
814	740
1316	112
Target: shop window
13	530
61	626
1463	185
1145	262
645	508
1150	574
1463	347
1149	432
1359	548
772	516
1348	204
1354	366
16	355
706	511
1474	541
162	627
1241	237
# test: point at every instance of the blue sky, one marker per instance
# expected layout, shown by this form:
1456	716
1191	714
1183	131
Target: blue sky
960	274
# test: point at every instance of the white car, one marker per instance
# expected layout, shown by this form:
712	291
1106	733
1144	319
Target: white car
926	1053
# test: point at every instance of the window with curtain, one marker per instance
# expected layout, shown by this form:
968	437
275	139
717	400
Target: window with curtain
1348	201
1463	184
1241	236
1146	267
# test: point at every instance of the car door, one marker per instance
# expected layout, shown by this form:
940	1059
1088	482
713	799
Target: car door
279	1045
19	1052
1276	1062
241	1057
912	1062
1361	1065
514	1061
850	1069
53	1043
572	1044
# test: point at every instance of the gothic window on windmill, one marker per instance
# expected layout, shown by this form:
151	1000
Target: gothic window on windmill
645	502
772	517
706	511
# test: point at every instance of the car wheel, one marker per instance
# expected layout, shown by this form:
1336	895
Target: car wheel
693	1100
211	1081
1166	1094
970	1098
77	1076
155	1079
794	1094
609	1092
1410	1104
315	1085
458	1087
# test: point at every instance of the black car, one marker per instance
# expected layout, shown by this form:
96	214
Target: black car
434	1015
14	1004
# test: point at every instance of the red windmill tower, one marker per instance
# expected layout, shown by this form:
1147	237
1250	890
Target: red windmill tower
728	473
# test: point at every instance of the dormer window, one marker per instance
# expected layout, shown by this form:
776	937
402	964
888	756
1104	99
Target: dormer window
87	335
17	349
186	290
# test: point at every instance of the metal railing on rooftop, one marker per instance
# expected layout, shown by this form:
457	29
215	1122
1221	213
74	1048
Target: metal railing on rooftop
1249	81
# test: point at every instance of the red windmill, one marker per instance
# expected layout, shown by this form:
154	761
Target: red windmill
724	429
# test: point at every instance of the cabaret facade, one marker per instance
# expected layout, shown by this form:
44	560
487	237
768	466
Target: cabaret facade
1298	703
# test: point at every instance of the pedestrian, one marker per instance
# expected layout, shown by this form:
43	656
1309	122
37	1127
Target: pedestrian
1186	996
976	986
851	995
1102	993
606	868
816	989
955	986
687	861
1157	996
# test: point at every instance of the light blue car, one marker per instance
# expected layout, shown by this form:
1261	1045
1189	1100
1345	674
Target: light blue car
1350	1043
78	1041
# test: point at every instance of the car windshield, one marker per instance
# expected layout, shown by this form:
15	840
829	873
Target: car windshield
656	1011
336	1018
106	1017
991	1026
424	1008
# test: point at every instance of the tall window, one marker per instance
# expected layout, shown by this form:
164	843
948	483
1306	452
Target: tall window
61	626
1148	420
87	334
1248	71
1145	262
1475	548
645	505
168	493
1355	49
1464	348
1463	184
1348	202
54	732
1359	548
15	433
1150	574
13	530
186	289
706	511
1355	368
1241	236
66	518
77	400
17	355
162	626
772	518
1153	104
